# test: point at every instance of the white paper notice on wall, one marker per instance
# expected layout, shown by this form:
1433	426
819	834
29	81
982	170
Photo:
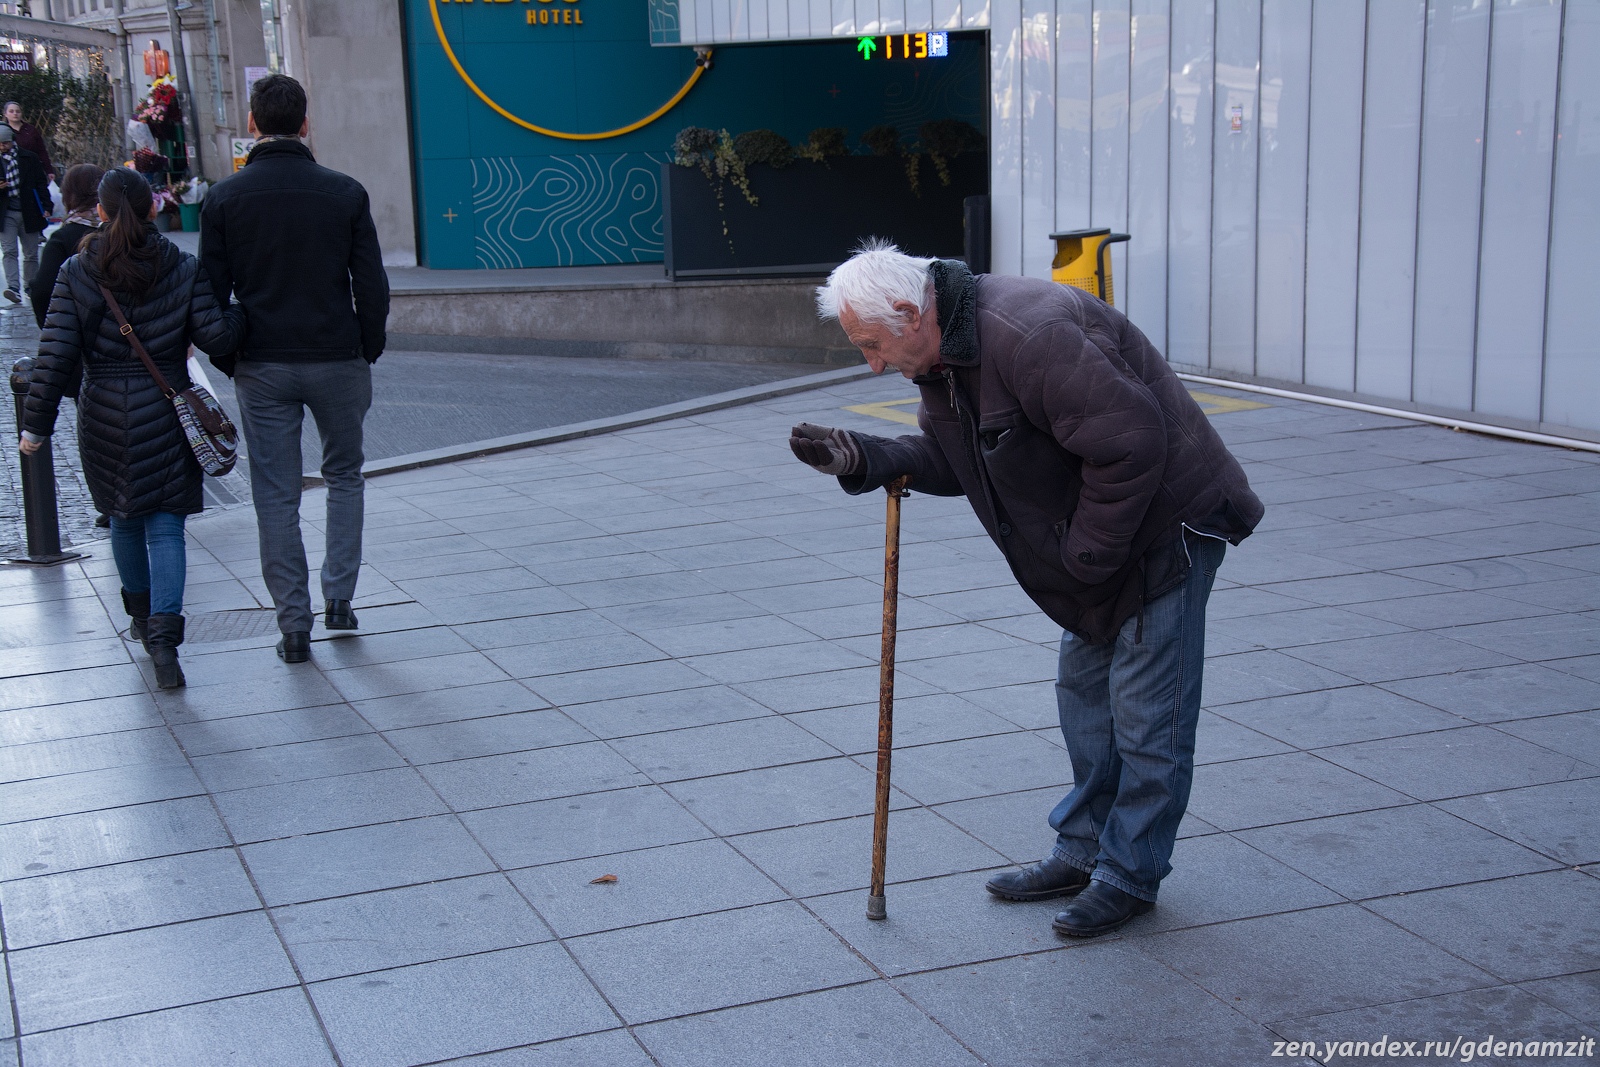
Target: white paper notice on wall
1236	119
253	75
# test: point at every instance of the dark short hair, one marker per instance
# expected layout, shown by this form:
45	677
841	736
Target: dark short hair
278	104
80	186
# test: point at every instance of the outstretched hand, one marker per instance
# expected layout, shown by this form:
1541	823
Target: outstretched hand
829	450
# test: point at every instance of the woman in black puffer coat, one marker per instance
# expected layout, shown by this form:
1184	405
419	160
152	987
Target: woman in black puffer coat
136	459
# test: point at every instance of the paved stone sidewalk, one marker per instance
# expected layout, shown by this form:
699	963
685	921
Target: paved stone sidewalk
652	655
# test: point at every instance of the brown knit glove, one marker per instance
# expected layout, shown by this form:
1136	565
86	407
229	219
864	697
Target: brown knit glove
829	450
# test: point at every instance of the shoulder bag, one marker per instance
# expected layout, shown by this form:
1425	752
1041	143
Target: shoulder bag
211	434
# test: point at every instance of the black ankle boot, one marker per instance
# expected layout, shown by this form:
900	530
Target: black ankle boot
1050	877
137	605
165	635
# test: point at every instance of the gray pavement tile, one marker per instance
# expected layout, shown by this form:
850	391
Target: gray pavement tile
609	1048
982	766
1439	521
1345	589
1102	1003
96	752
939	922
458	1007
1017	825
413	540
829	857
1269	673
653	884
1585	558
1218	878
649	713
640	589
1522	539
363	860
917	721
1576	735
1218	740
1439	610
422	563
681	612
64	588
1576	994
8	1051
1501	694
1453	763
815	596
830	689
985	670
1535	926
1568	594
356	650
1395	850
675	755
640	969
557	626
413	676
124	896
782	661
146	970
866	620
495	605
296	763
736	634
1561	819
781	796
1509	1013
1544	637
400	927
980	605
1405	655
607	683
577	571
1031	705
285	691
488	736
66	687
1277	789
732	553
543	774
289	809
67	794
62	656
1491	573
1579	667
262	1030
594	824
1036	629
1482	493
861	1026
269	729
1248	601
116	835
1346	958
1362	502
1340	716
1286	629
448	705
430	591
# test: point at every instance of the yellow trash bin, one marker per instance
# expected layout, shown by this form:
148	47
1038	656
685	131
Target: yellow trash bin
1082	260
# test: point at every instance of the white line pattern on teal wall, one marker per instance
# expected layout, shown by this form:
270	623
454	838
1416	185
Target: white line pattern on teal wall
568	210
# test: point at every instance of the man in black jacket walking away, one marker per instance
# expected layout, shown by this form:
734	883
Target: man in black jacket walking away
294	243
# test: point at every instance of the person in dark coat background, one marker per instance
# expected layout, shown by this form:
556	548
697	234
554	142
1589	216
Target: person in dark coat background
1112	499
28	207
80	194
136	458
29	137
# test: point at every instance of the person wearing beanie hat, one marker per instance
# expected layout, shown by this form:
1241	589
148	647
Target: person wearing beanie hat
27	211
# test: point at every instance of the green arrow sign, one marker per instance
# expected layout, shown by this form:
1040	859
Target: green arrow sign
866	46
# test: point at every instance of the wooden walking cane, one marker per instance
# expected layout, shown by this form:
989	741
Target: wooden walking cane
877	907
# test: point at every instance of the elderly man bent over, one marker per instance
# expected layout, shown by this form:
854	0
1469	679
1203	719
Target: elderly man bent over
1112	499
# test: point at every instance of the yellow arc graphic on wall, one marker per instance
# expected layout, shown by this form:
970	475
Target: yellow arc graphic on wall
701	63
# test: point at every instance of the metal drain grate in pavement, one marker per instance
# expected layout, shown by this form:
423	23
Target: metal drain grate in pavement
234	625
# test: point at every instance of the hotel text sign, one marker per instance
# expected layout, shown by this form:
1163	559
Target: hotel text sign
539	12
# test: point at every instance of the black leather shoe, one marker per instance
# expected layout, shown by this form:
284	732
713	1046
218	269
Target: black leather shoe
1099	909
295	647
339	616
1050	877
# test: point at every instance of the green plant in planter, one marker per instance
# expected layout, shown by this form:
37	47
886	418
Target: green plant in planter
944	139
825	143
885	141
713	152
764	146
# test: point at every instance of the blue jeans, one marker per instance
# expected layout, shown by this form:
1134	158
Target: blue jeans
151	558
1128	712
273	398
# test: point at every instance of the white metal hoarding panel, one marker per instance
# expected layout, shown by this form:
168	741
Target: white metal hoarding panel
1281	199
1235	118
1145	287
1189	214
1074	87
1038	135
1005	139
1108	132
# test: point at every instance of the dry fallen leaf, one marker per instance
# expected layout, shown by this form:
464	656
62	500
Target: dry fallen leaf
604	879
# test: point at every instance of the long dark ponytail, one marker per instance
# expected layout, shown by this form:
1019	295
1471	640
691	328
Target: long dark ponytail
120	252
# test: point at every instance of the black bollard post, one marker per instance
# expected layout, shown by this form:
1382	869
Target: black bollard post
38	488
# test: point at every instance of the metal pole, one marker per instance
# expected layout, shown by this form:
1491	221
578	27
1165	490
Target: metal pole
127	67
877	906
38	487
182	65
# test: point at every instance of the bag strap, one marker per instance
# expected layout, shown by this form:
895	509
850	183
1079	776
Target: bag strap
127	331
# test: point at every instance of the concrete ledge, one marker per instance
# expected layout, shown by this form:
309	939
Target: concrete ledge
571	431
649	350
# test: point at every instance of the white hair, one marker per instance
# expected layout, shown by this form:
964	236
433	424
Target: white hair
875	278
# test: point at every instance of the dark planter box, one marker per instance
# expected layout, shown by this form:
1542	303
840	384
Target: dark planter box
812	215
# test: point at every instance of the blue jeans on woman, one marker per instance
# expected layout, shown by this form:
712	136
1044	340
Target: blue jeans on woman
150	558
1128	712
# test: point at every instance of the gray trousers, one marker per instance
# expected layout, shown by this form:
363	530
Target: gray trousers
12	235
272	402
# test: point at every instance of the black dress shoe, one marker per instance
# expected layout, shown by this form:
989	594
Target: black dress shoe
339	616
295	647
1050	877
1099	909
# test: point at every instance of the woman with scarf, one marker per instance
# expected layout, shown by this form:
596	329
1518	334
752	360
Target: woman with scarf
80	193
